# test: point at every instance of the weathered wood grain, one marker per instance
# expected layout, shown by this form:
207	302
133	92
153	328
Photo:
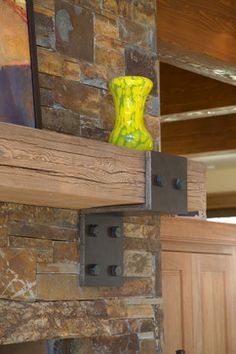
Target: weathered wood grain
199	36
45	168
39	167
199	135
185	91
196	187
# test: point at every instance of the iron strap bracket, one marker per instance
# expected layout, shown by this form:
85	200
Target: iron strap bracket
101	229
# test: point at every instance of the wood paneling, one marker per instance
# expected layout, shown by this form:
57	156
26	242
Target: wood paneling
177	294
199	135
199	35
185	91
39	167
213	298
198	273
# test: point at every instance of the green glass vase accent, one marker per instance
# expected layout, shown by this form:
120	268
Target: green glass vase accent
129	94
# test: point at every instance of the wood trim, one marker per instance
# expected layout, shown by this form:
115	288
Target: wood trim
195	35
40	167
199	135
224	200
185	91
195	231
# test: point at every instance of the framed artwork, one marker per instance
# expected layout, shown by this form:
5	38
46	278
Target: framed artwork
19	89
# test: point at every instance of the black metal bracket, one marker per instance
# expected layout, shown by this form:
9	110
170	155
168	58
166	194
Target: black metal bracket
101	229
101	250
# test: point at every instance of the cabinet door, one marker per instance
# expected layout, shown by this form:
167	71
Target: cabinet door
177	302
198	303
213	304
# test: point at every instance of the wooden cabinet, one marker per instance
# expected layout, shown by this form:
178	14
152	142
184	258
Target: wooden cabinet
198	286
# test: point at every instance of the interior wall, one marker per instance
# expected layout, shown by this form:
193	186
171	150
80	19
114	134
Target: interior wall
81	45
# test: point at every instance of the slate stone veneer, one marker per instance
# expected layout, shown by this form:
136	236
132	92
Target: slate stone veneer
81	45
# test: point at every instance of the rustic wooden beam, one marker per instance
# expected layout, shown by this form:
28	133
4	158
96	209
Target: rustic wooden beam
45	168
40	167
199	135
198	36
185	91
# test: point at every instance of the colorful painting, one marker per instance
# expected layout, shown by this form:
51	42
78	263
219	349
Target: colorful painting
17	96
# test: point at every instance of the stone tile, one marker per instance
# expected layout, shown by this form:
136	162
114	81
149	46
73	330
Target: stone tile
49	62
65	252
106	27
61	120
137	264
109	43
46	320
32	243
94	5
61	287
152	106
137	34
110	6
74	31
46	98
143	12
17	274
3	240
109	58
119	344
90	122
140	311
49	217
45	31
148	346
154	127
143	219
146	245
20	228
107	111
94	71
43	256
71	71
140	231
3	236
77	97
46	81
141	63
94	133
61	268
141	325
47	4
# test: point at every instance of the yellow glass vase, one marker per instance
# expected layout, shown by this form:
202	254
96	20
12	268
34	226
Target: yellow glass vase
129	94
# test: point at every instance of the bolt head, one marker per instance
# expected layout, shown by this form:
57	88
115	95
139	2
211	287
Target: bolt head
115	231
178	183
94	230
115	270
94	269
157	181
